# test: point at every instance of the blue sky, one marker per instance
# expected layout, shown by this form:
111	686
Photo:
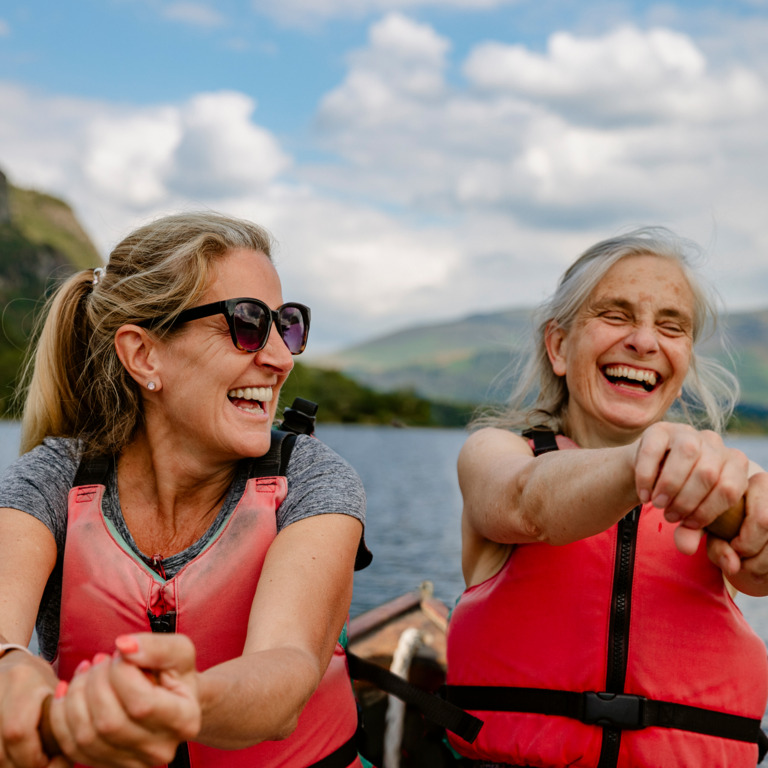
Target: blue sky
416	160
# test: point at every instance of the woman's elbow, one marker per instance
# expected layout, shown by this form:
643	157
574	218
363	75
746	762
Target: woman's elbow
287	726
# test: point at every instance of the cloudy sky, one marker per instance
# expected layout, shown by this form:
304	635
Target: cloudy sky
416	160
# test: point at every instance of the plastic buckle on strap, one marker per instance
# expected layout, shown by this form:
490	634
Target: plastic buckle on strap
617	710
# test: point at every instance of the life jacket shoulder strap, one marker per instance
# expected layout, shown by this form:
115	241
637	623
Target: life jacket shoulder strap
544	439
274	463
93	470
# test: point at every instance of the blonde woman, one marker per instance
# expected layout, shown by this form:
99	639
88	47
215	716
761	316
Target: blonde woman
188	590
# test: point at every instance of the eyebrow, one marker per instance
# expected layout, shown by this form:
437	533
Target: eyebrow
607	302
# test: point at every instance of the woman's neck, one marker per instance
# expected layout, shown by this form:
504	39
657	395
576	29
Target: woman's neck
168	502
596	435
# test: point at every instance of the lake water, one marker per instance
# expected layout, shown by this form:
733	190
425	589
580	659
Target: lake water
414	508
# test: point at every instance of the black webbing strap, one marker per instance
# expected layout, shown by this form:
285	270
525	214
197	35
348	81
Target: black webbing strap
543	440
762	746
300	417
342	757
275	462
181	758
93	471
615	710
428	704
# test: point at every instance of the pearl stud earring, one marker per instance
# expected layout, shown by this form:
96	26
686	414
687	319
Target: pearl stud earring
151	385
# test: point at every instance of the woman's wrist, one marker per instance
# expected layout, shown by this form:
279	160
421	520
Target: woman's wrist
8	647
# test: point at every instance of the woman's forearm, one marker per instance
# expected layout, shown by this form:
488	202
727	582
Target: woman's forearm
510	497
567	496
256	697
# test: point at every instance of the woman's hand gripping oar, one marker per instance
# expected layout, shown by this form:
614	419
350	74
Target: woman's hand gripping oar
728	524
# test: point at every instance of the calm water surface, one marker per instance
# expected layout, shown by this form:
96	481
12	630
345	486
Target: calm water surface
414	508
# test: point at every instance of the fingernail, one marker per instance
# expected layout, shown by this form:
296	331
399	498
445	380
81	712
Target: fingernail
61	689
644	496
661	501
127	644
100	658
82	666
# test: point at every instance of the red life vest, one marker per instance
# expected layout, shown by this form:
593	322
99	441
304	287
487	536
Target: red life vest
625	612
107	591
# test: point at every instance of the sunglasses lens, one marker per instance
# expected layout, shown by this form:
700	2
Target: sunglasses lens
251	326
293	329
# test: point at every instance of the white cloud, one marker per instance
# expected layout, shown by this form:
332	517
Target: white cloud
128	156
630	122
404	62
626	75
222	152
196	14
117	163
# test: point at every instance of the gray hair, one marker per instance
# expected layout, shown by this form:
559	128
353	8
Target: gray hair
540	397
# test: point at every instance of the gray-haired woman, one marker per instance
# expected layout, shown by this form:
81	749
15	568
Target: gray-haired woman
597	628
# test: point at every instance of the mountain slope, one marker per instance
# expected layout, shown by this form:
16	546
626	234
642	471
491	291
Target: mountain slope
466	360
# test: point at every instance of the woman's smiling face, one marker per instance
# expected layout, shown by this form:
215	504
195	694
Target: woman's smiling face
628	352
218	400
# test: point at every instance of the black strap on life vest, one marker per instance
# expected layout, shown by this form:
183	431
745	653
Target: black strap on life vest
433	707
613	710
300	417
342	757
93	471
543	439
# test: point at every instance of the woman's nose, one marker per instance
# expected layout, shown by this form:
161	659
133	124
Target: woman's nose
643	340
275	353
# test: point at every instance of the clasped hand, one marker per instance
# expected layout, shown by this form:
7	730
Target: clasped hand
694	477
116	713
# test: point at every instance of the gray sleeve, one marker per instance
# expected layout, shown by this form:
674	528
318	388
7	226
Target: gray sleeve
39	481
320	482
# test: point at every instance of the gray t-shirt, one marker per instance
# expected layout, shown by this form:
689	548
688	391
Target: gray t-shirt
319	482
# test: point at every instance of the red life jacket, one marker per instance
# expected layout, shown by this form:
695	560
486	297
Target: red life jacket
107	591
540	650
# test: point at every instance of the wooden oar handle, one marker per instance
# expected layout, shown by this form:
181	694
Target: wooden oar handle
50	742
728	524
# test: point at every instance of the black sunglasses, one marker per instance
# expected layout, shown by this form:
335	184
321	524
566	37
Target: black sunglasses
250	322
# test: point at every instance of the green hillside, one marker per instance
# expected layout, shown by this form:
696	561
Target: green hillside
466	360
49	223
343	400
40	242
456	361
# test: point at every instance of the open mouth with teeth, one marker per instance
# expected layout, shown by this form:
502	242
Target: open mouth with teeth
632	378
251	399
